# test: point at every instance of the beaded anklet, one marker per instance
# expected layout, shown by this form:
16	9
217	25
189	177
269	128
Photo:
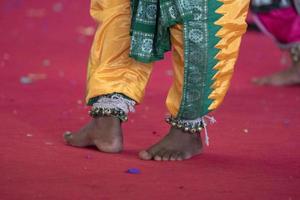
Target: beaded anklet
190	126
115	105
96	112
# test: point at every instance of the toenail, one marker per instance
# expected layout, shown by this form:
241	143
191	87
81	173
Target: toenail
68	133
157	158
144	155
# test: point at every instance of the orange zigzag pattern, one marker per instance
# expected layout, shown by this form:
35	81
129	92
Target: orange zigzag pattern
233	26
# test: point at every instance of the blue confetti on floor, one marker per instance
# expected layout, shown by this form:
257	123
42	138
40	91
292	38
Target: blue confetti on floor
133	171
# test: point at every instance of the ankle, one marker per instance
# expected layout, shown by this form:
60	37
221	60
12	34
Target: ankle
181	133
107	120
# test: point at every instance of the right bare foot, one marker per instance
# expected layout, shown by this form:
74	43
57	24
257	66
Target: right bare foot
104	132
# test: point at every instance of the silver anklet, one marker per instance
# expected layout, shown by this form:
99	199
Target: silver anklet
115	105
192	126
108	112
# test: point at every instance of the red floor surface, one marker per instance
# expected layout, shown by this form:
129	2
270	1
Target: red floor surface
254	152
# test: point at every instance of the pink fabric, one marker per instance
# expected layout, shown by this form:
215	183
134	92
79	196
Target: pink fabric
282	24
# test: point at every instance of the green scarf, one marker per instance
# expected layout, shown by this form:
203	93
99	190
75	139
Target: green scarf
151	19
150	39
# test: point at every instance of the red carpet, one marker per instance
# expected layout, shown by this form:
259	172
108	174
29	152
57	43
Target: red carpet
254	152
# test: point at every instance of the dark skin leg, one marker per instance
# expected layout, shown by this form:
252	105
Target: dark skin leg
176	145
105	133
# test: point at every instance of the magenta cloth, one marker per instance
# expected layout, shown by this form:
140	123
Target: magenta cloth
283	24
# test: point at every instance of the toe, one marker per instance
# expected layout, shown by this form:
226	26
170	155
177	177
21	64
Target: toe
173	156
184	156
167	156
157	158
150	153
145	155
159	155
260	81
68	137
180	156
77	140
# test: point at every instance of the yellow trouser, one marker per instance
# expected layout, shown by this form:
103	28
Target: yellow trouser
111	70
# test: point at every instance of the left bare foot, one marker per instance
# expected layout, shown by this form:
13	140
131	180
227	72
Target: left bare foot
290	76
176	145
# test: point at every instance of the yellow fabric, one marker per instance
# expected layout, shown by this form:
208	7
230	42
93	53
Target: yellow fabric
233	27
110	69
175	93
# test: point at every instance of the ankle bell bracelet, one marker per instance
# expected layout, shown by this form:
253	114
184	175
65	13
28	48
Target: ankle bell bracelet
185	125
96	112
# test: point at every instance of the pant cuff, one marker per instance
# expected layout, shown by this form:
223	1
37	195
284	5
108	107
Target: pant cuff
116	105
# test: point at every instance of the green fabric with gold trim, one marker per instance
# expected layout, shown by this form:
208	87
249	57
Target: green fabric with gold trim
150	39
150	26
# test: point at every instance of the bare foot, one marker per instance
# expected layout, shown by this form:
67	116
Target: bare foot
104	132
290	76
177	145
